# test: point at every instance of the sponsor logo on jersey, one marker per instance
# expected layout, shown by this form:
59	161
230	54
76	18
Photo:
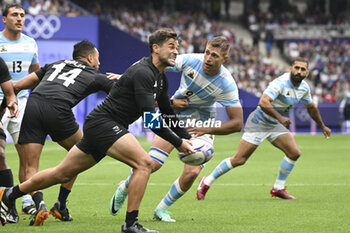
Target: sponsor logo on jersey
3	49
190	75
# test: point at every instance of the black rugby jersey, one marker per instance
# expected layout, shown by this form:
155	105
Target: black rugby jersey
70	81
135	92
4	72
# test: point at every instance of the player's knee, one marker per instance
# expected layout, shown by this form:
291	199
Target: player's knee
238	161
193	173
144	164
294	155
158	156
156	166
63	177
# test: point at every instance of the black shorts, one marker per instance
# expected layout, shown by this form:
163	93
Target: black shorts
2	134
100	132
44	117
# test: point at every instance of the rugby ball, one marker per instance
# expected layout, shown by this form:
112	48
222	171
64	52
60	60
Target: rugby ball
204	152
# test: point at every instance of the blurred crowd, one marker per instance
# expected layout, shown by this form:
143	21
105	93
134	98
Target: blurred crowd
251	69
49	7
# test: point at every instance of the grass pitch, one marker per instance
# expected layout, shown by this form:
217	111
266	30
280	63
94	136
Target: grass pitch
237	202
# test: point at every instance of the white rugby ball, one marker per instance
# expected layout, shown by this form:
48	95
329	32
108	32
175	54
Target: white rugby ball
204	152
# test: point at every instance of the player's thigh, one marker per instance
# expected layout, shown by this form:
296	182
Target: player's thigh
162	144
72	140
287	144
128	150
75	162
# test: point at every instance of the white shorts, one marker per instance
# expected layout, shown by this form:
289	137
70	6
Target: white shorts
13	125
257	133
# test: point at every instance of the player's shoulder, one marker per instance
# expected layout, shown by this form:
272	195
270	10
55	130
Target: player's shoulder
304	85
143	67
227	80
282	80
283	77
190	58
25	38
226	74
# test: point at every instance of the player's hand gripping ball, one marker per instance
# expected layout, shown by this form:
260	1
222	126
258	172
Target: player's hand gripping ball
204	152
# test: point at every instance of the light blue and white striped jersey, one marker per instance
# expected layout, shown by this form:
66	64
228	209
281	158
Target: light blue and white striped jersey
19	55
201	90
285	96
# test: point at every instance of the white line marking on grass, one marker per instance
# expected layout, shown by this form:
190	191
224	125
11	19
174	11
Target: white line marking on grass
168	184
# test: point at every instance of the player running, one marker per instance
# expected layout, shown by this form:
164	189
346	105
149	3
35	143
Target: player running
269	122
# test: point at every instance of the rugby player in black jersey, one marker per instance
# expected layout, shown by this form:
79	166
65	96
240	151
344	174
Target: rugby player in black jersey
58	88
6	177
105	130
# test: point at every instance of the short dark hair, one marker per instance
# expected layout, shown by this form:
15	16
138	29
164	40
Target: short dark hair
220	42
300	59
82	49
5	12
160	36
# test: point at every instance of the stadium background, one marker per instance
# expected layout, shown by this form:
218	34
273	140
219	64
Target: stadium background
315	29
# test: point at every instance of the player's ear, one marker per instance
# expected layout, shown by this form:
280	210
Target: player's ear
226	58
90	58
155	48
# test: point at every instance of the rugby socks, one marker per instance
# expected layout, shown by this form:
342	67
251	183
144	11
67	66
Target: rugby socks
131	217
62	197
38	198
173	195
27	200
6	178
14	193
221	169
125	185
286	167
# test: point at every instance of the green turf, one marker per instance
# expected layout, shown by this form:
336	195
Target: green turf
238	202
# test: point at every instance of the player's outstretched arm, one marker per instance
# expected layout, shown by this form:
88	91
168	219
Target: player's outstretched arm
234	124
113	76
316	116
28	82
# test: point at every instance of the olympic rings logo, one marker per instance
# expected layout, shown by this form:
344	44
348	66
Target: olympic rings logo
302	114
41	26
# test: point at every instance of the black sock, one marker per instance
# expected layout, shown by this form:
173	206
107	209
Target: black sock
62	197
15	193
131	217
37	198
6	178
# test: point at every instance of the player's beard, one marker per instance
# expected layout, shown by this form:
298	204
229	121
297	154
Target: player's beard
166	60
297	78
